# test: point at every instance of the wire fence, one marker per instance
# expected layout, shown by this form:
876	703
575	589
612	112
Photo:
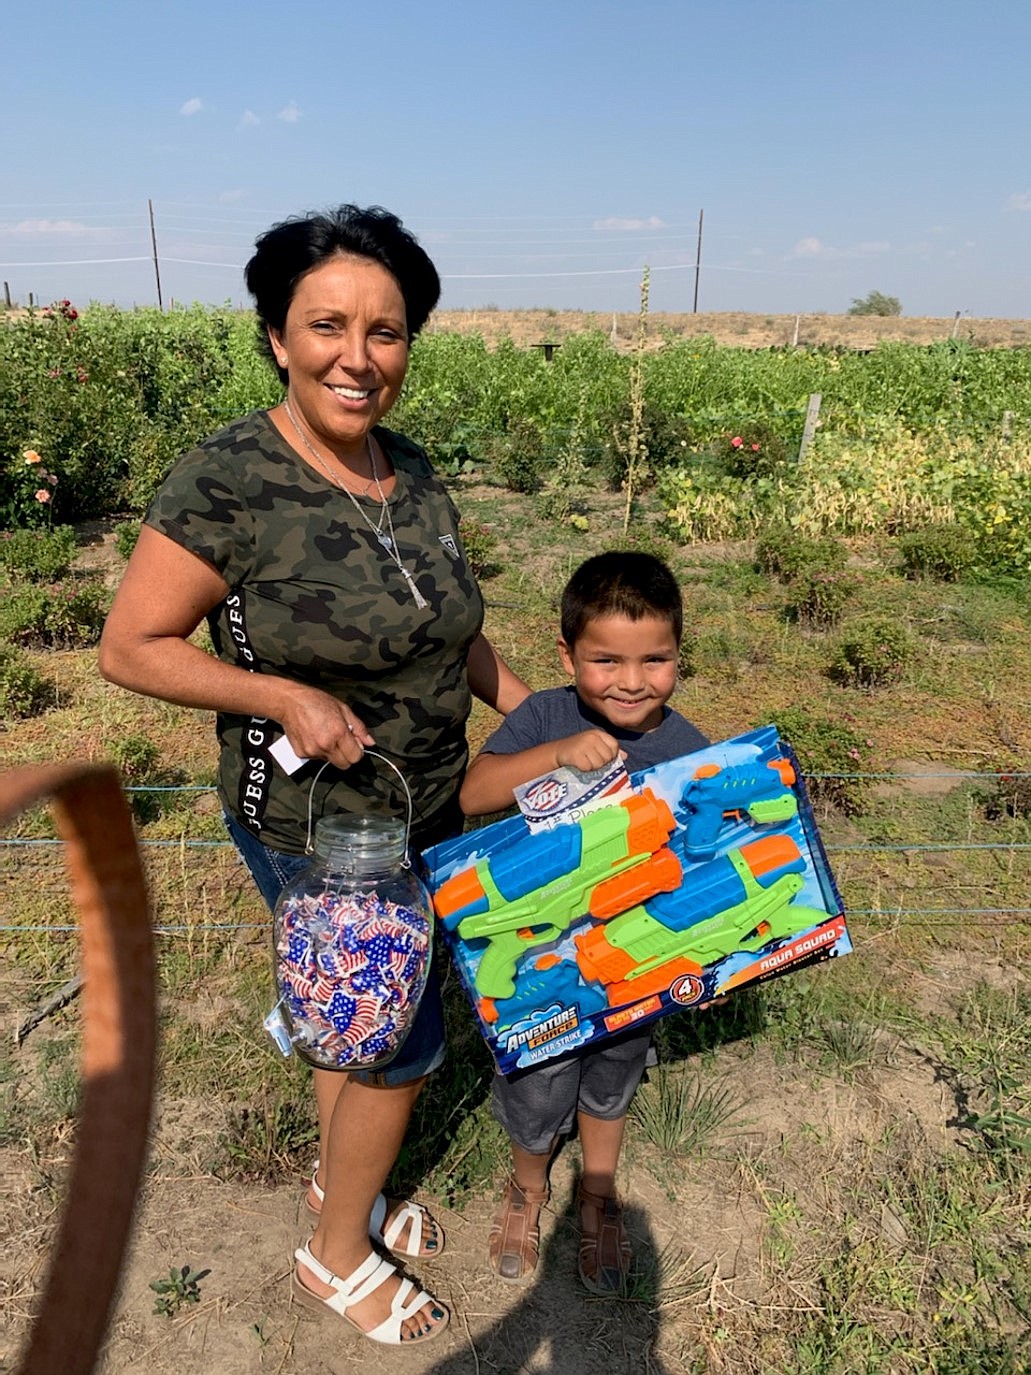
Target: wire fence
194	875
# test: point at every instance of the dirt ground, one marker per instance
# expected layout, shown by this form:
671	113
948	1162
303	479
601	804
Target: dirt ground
737	328
700	1229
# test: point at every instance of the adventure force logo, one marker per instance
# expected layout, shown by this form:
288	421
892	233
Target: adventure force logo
559	1024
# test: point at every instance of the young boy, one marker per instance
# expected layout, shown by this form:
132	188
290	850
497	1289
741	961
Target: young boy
621	620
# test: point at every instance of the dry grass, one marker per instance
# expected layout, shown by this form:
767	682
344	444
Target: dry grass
735	328
864	1206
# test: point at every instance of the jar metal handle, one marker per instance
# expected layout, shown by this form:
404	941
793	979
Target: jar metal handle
406	863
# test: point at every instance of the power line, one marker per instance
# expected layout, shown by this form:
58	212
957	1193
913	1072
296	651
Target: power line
75	262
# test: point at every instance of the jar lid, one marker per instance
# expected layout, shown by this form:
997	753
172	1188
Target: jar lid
360	843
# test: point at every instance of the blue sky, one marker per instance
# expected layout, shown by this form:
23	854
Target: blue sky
543	152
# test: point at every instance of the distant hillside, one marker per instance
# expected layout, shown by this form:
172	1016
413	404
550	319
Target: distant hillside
526	327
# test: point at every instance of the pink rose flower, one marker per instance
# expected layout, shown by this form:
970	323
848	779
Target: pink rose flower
755	448
736	442
30	456
43	495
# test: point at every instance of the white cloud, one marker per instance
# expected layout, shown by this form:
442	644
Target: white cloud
809	248
192	106
616	222
30	229
812	247
1020	200
290	113
248	120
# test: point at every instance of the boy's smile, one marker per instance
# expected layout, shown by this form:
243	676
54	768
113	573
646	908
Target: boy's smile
624	670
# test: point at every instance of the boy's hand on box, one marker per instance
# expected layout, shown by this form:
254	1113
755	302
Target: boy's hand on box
591	749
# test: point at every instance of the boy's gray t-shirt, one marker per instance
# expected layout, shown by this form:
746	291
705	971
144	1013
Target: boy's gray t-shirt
558	712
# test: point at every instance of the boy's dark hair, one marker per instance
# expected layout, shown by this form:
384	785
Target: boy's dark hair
620	583
289	250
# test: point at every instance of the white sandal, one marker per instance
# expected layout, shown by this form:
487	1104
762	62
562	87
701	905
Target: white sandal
372	1272
411	1215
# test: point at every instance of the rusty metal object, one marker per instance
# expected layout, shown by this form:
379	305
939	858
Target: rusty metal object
118	1042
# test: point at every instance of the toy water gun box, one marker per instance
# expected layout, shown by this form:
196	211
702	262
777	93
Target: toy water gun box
706	876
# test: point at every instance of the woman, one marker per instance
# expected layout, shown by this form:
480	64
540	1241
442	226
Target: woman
325	556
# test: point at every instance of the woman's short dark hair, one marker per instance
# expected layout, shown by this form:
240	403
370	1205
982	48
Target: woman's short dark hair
284	253
621	582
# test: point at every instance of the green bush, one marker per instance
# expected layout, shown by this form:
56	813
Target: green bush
751	451
64	615
827	751
138	760
38	555
942	552
480	546
782	553
875	303
818	599
126	535
136	756
518	458
666	440
23	691
26	490
873	653
77	612
118	396
23	609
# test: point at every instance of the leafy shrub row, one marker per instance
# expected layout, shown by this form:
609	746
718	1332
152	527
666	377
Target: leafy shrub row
61	615
105	400
43	605
969	500
23	690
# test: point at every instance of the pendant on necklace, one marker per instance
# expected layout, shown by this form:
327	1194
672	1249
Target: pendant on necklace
420	600
383	538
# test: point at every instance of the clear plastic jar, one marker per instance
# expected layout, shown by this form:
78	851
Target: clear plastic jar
352	939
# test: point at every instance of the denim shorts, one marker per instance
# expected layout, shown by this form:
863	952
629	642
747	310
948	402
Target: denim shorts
424	1046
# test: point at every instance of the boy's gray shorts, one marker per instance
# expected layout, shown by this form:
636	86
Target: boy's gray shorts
536	1105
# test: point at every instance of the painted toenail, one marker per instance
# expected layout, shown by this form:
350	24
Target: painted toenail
436	1314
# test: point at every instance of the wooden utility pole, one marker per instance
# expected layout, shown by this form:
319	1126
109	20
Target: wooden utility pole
698	261
154	248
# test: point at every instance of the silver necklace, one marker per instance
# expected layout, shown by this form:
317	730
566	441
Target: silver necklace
386	537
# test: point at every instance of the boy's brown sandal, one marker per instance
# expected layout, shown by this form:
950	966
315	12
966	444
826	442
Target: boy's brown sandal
515	1233
605	1251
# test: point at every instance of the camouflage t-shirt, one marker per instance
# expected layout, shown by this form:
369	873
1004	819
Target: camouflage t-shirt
315	597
